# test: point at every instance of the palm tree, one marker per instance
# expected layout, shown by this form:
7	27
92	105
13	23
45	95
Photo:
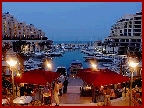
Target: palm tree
49	43
18	46
112	45
20	56
5	48
42	44
105	43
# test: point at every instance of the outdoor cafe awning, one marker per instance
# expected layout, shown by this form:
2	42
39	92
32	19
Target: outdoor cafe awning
101	77
40	77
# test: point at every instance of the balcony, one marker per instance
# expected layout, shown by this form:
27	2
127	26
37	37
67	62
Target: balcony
131	48
123	44
122	40
22	38
139	13
133	40
137	49
116	40
137	30
137	45
137	18
137	26
129	30
137	34
121	34
138	40
137	22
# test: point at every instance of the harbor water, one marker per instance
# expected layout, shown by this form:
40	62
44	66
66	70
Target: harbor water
67	58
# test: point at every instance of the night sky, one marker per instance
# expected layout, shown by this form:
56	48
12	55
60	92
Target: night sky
75	21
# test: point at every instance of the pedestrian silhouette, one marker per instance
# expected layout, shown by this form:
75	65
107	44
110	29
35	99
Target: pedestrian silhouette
65	84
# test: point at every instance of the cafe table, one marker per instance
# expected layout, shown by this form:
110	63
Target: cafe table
22	100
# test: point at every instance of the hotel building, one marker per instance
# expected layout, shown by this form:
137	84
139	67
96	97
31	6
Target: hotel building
126	34
13	30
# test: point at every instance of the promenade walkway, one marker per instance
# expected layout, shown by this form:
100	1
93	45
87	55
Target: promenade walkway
72	97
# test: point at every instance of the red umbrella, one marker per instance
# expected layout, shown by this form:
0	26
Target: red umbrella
106	76
101	77
49	75
37	77
86	75
116	76
31	78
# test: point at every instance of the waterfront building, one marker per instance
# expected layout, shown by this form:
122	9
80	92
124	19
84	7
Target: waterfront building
126	34
13	30
20	37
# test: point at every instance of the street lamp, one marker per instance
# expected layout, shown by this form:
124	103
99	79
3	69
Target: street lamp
49	65
41	38
12	63
133	64
94	66
18	74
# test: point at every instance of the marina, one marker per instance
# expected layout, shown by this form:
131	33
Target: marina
78	54
110	61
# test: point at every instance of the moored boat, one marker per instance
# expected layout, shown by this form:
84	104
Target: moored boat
62	70
74	66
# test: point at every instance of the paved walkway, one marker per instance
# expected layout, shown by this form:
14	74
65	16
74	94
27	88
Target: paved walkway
72	97
115	102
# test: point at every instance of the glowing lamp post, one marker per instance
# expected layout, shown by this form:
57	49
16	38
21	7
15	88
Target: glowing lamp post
133	65
12	63
41	38
18	74
49	66
94	66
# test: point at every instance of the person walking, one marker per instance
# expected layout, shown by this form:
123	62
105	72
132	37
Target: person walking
47	95
65	84
22	90
36	93
56	93
97	98
107	93
60	88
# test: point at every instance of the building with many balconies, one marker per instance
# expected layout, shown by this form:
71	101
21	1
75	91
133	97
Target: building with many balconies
13	30
127	34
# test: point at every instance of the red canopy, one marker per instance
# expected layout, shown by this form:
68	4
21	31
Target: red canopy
101	77
40	77
31	78
116	76
86	76
49	75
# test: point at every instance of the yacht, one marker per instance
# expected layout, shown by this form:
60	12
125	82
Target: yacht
62	70
74	66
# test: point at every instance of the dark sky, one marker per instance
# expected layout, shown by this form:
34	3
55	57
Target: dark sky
75	21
